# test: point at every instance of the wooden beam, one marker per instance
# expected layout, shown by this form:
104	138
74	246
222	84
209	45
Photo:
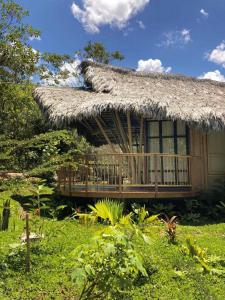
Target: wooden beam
105	134
141	133
129	131
133	162
122	145
121	130
104	125
141	165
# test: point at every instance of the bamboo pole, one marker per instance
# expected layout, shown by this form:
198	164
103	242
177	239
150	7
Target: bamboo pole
141	163
122	143
132	160
122	133
105	134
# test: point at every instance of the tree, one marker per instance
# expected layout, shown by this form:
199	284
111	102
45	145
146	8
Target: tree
20	117
97	52
18	59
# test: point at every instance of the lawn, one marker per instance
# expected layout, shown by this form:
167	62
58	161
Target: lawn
172	275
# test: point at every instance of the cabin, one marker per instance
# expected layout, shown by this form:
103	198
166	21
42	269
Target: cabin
165	133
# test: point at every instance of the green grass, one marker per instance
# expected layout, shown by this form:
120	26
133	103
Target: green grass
173	275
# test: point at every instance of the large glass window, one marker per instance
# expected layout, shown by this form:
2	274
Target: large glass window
171	138
167	137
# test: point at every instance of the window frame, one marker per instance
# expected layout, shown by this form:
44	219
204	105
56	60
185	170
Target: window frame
175	136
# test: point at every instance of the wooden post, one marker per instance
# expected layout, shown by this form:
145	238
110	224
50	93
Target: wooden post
70	180
132	159
27	243
122	143
156	173
141	162
120	173
86	172
122	133
105	134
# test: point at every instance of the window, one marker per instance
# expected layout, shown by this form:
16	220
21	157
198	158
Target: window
172	138
167	137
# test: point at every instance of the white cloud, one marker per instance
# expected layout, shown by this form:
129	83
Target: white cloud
204	13
177	38
72	79
213	75
96	13
141	24
37	38
218	55
152	65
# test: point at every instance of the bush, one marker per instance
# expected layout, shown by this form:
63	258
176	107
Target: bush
109	267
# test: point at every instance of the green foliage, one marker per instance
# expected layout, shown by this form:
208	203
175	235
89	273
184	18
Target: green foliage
52	66
18	59
20	117
201	258
141	215
97	52
109	210
161	208
43	154
172	275
109	267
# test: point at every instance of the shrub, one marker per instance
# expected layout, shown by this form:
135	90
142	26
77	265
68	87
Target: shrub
108	267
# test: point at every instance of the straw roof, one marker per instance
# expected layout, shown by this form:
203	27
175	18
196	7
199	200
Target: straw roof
153	95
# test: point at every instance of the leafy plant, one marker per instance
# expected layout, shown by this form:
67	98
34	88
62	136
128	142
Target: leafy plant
163	208
108	267
221	207
171	226
200	257
141	216
192	217
108	210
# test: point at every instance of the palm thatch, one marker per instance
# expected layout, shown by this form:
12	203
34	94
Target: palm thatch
158	96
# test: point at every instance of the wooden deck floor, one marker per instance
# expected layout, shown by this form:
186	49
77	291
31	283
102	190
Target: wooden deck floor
145	193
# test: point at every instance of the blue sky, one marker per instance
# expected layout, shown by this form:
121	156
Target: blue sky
174	36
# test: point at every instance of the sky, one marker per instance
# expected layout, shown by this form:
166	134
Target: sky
169	36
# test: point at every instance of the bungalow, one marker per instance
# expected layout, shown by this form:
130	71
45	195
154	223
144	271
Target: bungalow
165	133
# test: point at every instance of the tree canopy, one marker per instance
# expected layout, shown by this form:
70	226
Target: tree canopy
97	52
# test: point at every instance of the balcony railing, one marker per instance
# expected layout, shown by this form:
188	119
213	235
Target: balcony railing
126	172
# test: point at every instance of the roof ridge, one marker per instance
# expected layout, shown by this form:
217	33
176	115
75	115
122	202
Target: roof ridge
128	71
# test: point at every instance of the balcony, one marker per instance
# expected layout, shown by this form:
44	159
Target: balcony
133	175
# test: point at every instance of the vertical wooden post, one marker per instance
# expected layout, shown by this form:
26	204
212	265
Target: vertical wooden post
156	173
141	162
86	172
120	173
70	180
132	159
27	243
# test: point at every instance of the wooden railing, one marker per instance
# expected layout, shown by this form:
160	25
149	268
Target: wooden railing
122	172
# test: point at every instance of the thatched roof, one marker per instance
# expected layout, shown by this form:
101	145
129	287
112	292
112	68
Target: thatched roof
153	95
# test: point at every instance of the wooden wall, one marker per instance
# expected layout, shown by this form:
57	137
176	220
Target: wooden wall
198	165
215	157
208	162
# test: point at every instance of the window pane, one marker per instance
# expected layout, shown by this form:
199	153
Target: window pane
181	146
181	128
167	128
168	145
153	129
154	145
